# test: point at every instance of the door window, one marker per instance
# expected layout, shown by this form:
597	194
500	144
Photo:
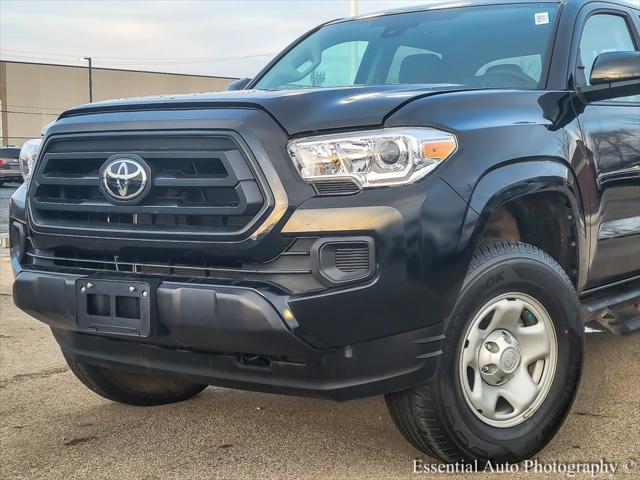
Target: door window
603	33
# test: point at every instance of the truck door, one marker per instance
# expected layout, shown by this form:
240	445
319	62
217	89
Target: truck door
611	132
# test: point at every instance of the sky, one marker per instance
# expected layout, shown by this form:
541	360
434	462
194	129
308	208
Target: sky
206	37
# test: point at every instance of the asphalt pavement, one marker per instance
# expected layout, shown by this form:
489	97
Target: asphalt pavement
52	427
6	191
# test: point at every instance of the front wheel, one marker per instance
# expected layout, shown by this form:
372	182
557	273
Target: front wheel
133	388
511	362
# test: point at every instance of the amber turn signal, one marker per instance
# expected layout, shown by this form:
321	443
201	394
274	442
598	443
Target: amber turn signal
439	149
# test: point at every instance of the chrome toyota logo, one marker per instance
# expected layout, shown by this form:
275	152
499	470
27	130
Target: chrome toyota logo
124	178
509	359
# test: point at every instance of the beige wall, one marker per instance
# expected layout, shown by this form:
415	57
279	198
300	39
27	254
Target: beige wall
32	95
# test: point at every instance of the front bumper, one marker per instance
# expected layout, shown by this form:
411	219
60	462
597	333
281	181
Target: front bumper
10	175
233	337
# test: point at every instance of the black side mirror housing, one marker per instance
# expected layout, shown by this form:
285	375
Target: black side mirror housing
614	74
615	67
239	84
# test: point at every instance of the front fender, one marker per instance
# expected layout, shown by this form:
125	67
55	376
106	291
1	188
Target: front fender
519	179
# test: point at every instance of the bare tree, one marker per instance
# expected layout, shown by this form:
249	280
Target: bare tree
318	78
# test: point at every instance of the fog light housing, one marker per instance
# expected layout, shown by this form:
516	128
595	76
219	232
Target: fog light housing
343	260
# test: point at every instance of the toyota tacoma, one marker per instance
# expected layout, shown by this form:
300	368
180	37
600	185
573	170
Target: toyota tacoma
428	204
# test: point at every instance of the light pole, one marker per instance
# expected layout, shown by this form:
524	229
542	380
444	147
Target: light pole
353	8
353	48
89	59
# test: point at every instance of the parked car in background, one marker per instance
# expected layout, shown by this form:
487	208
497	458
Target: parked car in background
9	165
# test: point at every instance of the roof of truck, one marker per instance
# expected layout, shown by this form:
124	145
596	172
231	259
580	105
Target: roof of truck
444	4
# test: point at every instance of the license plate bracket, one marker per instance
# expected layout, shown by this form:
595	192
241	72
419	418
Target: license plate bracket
114	306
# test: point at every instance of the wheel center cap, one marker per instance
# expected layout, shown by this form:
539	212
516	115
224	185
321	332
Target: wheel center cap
499	357
509	360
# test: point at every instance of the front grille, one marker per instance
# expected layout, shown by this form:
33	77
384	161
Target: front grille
200	184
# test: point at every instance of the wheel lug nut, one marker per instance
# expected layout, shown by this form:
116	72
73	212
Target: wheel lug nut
492	347
485	368
132	289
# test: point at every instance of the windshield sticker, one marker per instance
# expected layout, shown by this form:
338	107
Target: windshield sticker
542	18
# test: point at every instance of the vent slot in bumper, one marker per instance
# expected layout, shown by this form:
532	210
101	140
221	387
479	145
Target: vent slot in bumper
336	187
353	258
344	260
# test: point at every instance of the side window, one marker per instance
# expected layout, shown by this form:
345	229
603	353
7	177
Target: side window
595	41
330	72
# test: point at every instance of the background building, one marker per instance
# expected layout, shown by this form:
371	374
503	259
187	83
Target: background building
34	94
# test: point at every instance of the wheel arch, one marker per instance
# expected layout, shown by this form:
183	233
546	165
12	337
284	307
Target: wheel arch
543	196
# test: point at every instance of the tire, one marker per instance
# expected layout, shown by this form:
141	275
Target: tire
133	388
442	419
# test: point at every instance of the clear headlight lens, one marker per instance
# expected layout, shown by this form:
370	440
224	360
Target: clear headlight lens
28	157
392	156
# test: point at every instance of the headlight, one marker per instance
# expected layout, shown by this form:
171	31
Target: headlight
28	156
392	156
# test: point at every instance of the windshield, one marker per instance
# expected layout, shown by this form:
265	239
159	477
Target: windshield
502	46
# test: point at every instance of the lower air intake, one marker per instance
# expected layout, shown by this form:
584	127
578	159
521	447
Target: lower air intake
342	260
337	187
352	258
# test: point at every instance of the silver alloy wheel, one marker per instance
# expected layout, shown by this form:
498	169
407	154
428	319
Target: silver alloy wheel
508	359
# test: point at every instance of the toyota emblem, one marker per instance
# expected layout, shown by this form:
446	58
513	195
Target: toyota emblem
124	178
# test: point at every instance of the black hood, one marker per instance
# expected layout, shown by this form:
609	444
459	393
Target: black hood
303	110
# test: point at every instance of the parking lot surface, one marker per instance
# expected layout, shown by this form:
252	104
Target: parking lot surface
53	427
6	191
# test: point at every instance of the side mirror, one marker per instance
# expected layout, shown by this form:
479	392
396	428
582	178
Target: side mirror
239	84
614	74
615	67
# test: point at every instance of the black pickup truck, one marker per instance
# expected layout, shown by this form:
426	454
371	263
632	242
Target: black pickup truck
428	204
